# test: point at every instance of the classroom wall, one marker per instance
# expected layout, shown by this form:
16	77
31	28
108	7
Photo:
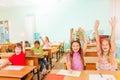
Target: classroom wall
56	18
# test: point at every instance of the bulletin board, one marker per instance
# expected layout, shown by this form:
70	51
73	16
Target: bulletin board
4	31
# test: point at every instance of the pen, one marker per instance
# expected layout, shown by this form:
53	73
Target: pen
101	75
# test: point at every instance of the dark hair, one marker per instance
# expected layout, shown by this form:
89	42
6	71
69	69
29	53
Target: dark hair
80	52
37	42
27	44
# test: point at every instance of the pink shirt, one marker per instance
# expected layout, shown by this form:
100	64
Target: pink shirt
47	45
77	62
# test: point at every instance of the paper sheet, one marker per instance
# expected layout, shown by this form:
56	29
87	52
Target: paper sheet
13	68
101	77
67	73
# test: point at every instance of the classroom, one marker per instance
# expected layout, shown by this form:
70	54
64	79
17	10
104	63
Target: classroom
59	40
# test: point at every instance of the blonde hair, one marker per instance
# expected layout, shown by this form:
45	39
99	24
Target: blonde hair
109	51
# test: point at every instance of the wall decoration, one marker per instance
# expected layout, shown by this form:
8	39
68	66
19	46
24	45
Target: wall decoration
4	31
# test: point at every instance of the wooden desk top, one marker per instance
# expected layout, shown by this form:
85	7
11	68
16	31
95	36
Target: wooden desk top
16	73
7	55
85	74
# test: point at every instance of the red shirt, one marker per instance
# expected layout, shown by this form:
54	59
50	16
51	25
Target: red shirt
18	59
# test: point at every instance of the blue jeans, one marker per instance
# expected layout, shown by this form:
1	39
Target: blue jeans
43	62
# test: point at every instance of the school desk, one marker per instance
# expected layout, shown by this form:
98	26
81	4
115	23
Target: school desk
51	50
58	45
85	74
15	74
31	59
5	46
91	57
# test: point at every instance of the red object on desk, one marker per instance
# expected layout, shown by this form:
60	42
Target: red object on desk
54	77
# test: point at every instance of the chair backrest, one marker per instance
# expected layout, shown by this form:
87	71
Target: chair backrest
31	74
3	48
29	62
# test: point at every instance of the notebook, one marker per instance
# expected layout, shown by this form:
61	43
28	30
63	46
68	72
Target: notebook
13	68
101	77
67	73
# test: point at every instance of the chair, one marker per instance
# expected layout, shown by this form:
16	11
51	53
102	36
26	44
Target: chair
33	62
3	48
31	74
90	63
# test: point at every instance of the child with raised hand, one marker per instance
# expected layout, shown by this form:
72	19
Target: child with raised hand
46	42
18	58
75	60
80	35
38	49
106	48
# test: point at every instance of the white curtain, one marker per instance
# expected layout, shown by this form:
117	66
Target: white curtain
30	28
115	11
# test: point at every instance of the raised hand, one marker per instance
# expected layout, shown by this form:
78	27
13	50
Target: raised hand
113	22
82	30
97	24
79	29
71	30
40	37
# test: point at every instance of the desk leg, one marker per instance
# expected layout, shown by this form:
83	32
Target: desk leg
38	74
57	56
51	63
59	53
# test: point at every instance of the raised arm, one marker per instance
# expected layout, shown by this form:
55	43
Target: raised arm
113	22
42	40
23	46
97	35
84	40
71	35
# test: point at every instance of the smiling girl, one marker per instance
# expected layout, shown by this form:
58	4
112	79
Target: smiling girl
106	48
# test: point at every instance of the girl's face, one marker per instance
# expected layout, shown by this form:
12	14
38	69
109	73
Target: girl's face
105	46
37	45
75	46
46	40
18	50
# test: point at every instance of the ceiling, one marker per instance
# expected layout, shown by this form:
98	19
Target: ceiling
22	3
14	3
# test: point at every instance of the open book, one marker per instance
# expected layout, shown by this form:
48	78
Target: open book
13	68
67	73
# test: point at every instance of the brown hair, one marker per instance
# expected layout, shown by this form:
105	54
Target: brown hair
80	52
18	45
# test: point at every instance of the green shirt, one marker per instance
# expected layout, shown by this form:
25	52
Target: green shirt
38	51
